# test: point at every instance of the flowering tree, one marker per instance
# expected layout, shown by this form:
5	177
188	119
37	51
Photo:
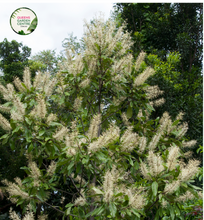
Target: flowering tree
88	157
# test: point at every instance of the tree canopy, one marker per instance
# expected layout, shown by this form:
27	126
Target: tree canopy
91	147
13	59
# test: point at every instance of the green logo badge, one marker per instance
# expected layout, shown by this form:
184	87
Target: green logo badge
23	21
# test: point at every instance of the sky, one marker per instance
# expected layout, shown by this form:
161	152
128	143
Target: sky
55	21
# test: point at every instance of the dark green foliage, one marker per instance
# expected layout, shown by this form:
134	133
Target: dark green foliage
14	57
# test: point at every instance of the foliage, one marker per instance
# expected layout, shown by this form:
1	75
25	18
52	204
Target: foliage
49	60
92	150
71	43
14	57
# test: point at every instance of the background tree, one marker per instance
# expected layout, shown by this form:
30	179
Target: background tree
77	129
49	59
71	43
14	57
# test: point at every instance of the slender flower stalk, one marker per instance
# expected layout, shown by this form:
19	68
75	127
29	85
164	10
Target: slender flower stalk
144	171
153	92
51	169
7	93
50	86
125	119
19	105
139	60
16	116
77	103
84	83
19	85
129	140
15	190
190	170
37	80
136	201
142	144
51	117
35	173
141	78
13	215
94	126
40	109
5	109
183	130
186	196
107	137
159	102
26	78
189	144
59	135
4	123
155	164
155	140
108	186
172	187
172	157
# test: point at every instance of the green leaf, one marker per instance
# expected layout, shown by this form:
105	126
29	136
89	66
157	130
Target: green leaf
27	179
130	161
175	123
78	169
33	205
28	121
136	165
119	194
47	138
135	212
41	132
5	140
30	148
55	124
69	205
157	215
67	212
101	156
129	112
85	160
97	191
149	108
15	130
70	165
41	194
4	136
113	209
20	201
172	212
154	188
95	212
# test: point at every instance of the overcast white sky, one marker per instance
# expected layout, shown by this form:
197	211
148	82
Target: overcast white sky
55	21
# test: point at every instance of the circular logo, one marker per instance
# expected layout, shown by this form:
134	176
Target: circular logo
23	21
